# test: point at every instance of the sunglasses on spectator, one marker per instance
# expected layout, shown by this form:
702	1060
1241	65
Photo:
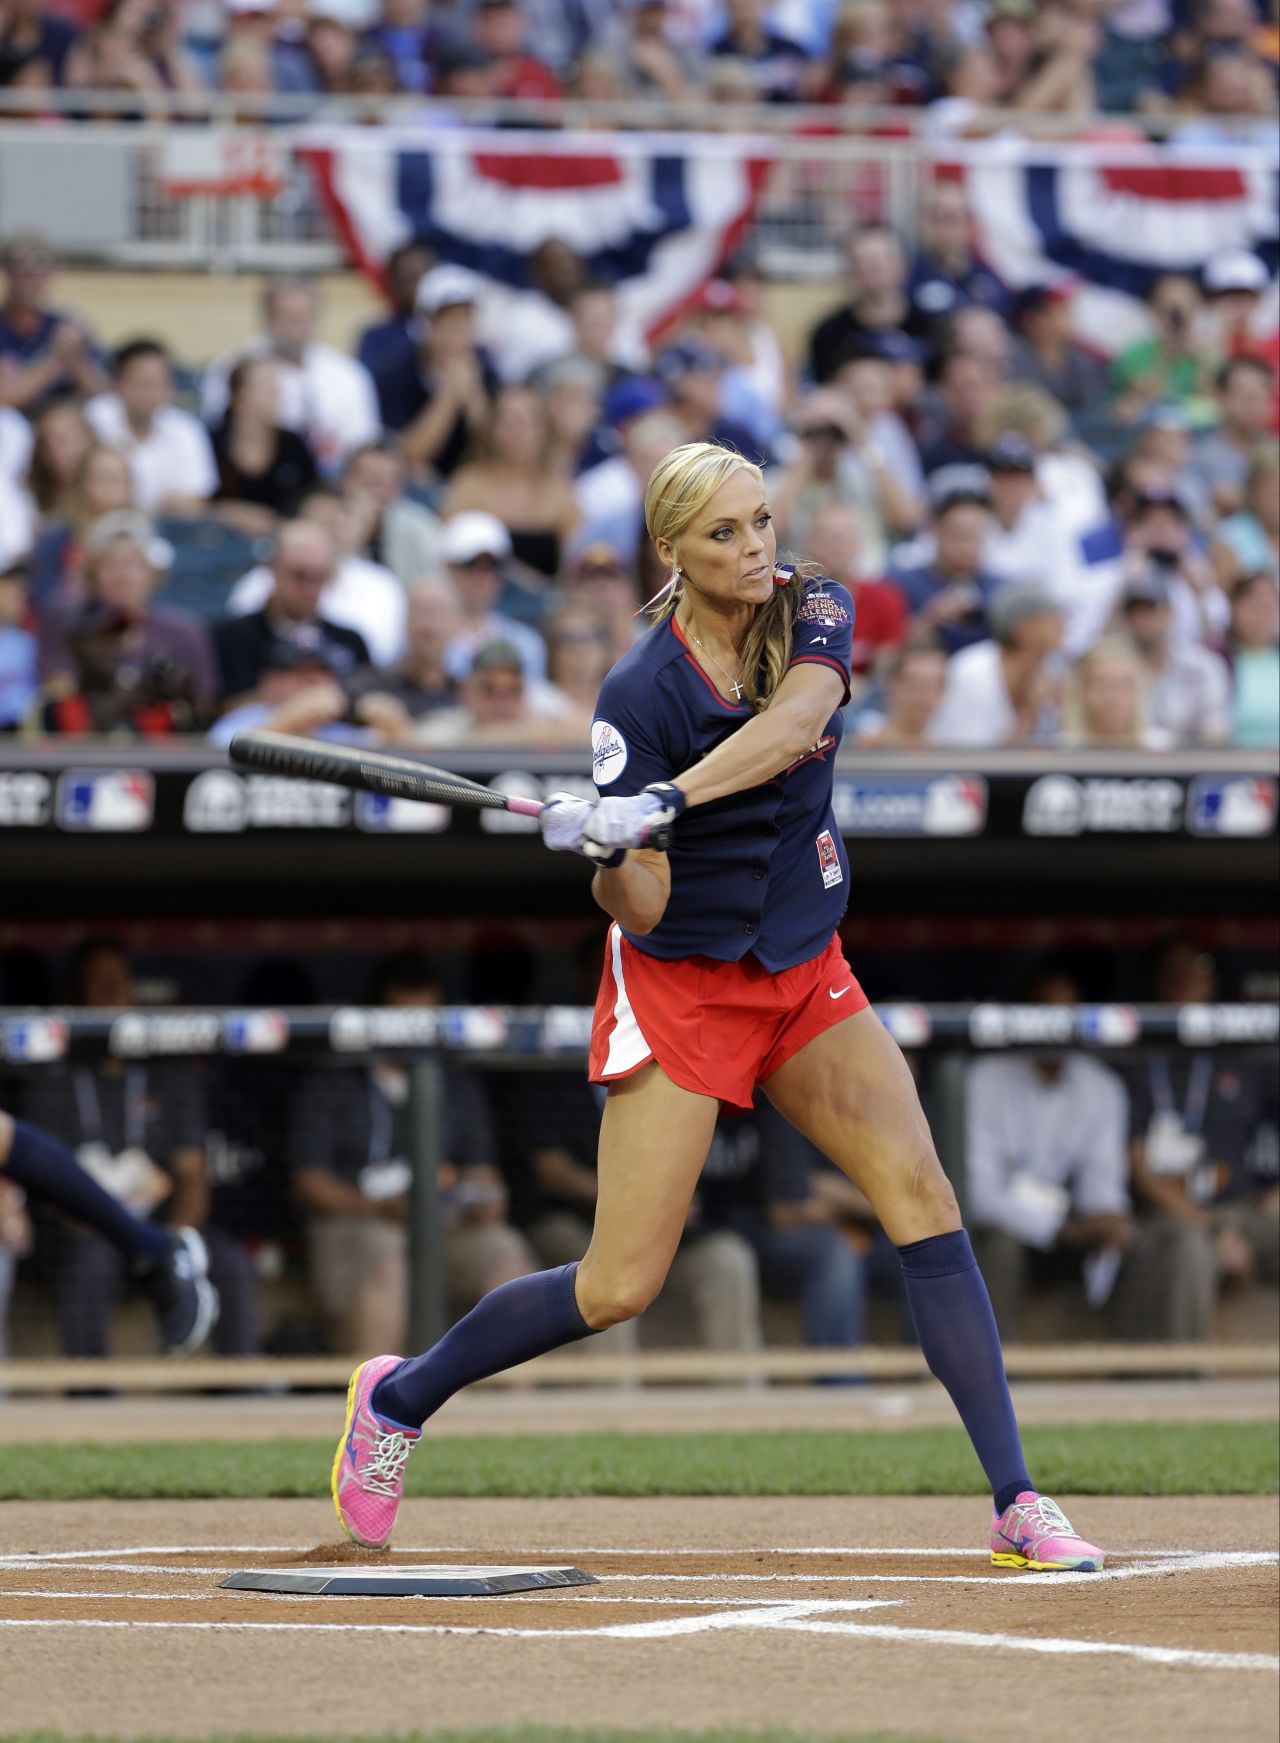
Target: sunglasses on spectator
485	560
825	433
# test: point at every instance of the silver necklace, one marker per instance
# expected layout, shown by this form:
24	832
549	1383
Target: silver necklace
735	684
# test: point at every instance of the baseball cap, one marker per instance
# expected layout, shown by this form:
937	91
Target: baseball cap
129	526
632	397
1162	496
446	287
1011	452
1016	601
475	534
684	357
1039	296
598	556
950	485
499	657
1234	269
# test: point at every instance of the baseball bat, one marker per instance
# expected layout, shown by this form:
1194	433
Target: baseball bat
374	771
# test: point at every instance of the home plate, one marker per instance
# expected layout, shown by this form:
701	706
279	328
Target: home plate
425	1581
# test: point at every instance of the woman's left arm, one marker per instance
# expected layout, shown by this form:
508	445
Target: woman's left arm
792	724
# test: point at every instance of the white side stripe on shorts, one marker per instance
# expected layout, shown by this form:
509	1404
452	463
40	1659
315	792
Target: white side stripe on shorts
627	1046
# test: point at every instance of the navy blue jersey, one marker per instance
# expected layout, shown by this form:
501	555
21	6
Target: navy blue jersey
763	870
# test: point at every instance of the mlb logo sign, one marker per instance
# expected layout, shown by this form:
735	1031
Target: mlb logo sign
829	861
255	1032
106	800
1243	805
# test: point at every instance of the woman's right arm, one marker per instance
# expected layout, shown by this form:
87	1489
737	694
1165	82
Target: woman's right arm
635	893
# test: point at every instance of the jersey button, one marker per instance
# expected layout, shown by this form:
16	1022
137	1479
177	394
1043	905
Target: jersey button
749	929
757	874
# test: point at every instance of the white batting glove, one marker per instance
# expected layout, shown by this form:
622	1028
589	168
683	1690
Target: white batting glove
562	821
632	822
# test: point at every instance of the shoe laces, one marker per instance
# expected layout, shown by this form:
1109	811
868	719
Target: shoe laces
1047	1515
384	1472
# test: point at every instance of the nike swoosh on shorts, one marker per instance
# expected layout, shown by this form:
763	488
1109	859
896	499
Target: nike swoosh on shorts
833	994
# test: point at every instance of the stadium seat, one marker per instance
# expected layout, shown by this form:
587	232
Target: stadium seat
208	559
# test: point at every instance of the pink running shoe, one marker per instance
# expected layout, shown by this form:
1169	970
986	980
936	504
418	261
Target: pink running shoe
368	1467
1033	1532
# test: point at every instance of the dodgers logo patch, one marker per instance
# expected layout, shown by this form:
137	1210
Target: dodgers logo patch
829	861
608	753
822	608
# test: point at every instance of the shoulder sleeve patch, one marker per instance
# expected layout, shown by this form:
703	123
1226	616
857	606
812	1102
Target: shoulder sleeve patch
822	608
608	753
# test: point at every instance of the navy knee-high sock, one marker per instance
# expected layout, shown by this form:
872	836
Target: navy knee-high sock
511	1324
957	1332
46	1169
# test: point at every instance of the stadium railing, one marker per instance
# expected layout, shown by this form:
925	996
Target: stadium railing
943	1037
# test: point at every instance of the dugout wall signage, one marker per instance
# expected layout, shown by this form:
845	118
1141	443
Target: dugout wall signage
910	804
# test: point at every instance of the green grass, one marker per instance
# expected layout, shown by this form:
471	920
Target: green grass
548	1734
1094	1459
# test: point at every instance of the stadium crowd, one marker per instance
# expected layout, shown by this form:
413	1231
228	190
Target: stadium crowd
1205	67
436	537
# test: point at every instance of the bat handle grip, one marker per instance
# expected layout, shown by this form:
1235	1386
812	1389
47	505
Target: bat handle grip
524	807
660	837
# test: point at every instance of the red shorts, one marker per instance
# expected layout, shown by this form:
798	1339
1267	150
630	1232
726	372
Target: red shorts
717	1028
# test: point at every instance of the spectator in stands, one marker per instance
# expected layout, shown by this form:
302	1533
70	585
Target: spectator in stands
599	578
136	47
572	394
836	460
1167	368
500	30
326	397
103	484
362	595
1250	539
160	647
400	534
650	58
524	329
452	389
1046	355
753	386
1004	691
1255	662
265	25
693	376
1202	1146
29	32
246	69
1190	686
420	679
578	658
302	569
512	478
299	691
946	274
952	432
15	1243
139	1129
352	1169
1222	457
610	492
498	705
1105	703
18	648
877	302
331	45
1235	282
834	543
915	677
169	453
109	692
389	349
947	594
778	68
871	384
476	549
63	436
1161	531
402	31
264	469
1048	1192
1027	540
1231	101
43	352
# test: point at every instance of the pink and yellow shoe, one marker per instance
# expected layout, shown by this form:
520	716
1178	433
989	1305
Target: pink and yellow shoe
1033	1532
368	1467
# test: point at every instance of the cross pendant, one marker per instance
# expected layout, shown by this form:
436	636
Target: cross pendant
737	690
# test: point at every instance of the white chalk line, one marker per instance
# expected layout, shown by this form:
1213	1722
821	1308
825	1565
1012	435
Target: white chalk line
804	1617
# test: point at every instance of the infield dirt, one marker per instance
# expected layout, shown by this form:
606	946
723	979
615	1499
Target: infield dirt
709	1612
